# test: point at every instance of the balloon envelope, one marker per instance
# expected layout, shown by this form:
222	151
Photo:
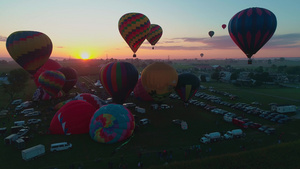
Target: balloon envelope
187	86
90	98
224	26
159	79
71	78
49	65
140	92
52	81
251	28
111	123
119	79
155	34
211	33
134	28
30	49
41	94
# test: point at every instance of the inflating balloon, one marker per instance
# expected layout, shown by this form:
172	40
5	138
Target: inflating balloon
73	118
111	123
251	29
159	79
49	65
30	49
154	34
211	33
134	28
41	94
140	92
187	86
90	98
52	81
71	78
119	79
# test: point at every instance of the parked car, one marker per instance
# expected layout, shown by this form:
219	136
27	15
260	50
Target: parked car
177	121
29	110
35	113
16	102
33	121
144	121
22	132
263	128
60	146
270	131
19	107
255	125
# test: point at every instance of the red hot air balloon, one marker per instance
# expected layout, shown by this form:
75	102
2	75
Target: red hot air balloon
30	49
52	81
90	98
134	28
119	79
154	34
73	118
49	65
251	29
224	26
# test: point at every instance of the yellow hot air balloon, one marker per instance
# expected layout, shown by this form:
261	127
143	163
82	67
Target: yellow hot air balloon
159	79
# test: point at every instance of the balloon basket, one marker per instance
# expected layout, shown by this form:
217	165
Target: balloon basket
249	61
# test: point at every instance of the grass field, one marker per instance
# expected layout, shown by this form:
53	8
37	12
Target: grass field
161	134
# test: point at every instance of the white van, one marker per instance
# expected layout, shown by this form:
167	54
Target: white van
60	146
26	111
144	121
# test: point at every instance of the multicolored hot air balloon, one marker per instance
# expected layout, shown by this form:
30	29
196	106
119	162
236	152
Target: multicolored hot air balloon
134	28
30	49
52	81
224	26
187	86
140	92
159	79
49	65
154	34
73	118
119	79
251	29
71	78
111	123
90	98
211	33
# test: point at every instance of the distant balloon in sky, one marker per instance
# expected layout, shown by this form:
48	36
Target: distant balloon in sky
154	34
224	26
30	49
134	28
251	29
201	54
211	33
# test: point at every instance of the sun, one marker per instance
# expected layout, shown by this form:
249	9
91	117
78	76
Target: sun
85	55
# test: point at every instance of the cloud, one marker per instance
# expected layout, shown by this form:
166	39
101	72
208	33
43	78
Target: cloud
3	38
225	42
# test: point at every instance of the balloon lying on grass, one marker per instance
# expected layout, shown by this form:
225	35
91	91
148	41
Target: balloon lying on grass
71	78
187	86
49	65
159	79
154	35
30	49
134	28
52	81
119	79
111	123
251	28
73	118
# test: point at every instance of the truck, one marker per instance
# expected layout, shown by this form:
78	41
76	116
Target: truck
236	133
211	137
33	152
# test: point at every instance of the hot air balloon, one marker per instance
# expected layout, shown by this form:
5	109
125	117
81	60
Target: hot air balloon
134	28
73	118
49	65
224	26
119	79
52	81
90	98
159	79
201	54
40	94
154	34
140	92
111	123
251	29
211	33
71	78
30	49
187	86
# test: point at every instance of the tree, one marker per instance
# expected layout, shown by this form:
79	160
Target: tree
216	75
17	79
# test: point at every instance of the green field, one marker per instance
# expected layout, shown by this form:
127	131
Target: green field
161	134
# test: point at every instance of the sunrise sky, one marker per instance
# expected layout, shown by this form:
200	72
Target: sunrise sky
89	28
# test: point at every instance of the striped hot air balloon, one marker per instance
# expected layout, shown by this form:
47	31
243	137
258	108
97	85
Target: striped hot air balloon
251	29
154	34
52	81
187	86
30	49
134	28
119	79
